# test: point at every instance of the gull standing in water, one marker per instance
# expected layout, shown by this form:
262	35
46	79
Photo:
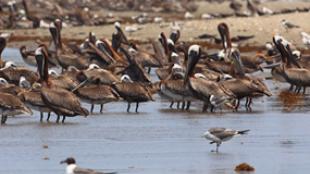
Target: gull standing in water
220	135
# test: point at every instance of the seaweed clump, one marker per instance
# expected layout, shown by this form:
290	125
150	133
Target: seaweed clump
244	167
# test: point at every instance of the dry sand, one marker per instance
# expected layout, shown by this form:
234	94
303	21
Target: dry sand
263	27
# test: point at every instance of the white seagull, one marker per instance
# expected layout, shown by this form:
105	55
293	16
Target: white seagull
288	25
218	135
72	168
305	38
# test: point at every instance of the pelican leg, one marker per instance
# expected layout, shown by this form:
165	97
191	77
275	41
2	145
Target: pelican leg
237	105
291	87
183	105
217	147
298	90
249	104
304	91
3	119
246	103
188	105
171	104
63	119
101	108
41	116
137	106
212	108
92	108
128	107
58	118
178	105
48	117
205	107
149	70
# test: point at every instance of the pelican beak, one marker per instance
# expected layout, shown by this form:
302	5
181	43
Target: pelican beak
63	161
267	92
80	85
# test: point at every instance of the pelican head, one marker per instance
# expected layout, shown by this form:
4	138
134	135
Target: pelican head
24	83
9	64
53	72
93	66
3	81
194	53
126	78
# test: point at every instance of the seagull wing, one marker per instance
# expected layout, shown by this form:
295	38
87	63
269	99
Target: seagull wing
79	170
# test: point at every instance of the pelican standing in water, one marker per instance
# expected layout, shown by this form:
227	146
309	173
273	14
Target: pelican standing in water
60	101
210	92
11	105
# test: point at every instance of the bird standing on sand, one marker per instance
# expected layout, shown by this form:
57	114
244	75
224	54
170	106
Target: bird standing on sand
288	25
72	168
219	135
305	38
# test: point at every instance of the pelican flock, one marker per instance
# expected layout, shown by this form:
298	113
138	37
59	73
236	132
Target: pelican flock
58	78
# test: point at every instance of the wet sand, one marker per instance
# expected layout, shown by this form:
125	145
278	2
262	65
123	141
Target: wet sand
161	140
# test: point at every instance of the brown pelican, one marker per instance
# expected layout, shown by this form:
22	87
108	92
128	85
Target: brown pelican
33	99
244	86
134	70
132	92
12	73
143	58
11	105
97	94
95	74
290	69
31	16
72	168
173	89
64	56
28	56
220	135
60	101
211	93
5	87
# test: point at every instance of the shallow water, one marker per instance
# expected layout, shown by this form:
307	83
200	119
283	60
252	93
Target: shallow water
161	140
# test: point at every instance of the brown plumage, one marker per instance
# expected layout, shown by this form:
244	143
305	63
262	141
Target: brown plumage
210	92
94	74
11	105
33	99
59	100
97	94
13	74
243	85
133	92
28	56
175	91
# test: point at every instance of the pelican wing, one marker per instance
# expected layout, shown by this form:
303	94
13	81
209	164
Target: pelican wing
132	91
62	100
33	98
